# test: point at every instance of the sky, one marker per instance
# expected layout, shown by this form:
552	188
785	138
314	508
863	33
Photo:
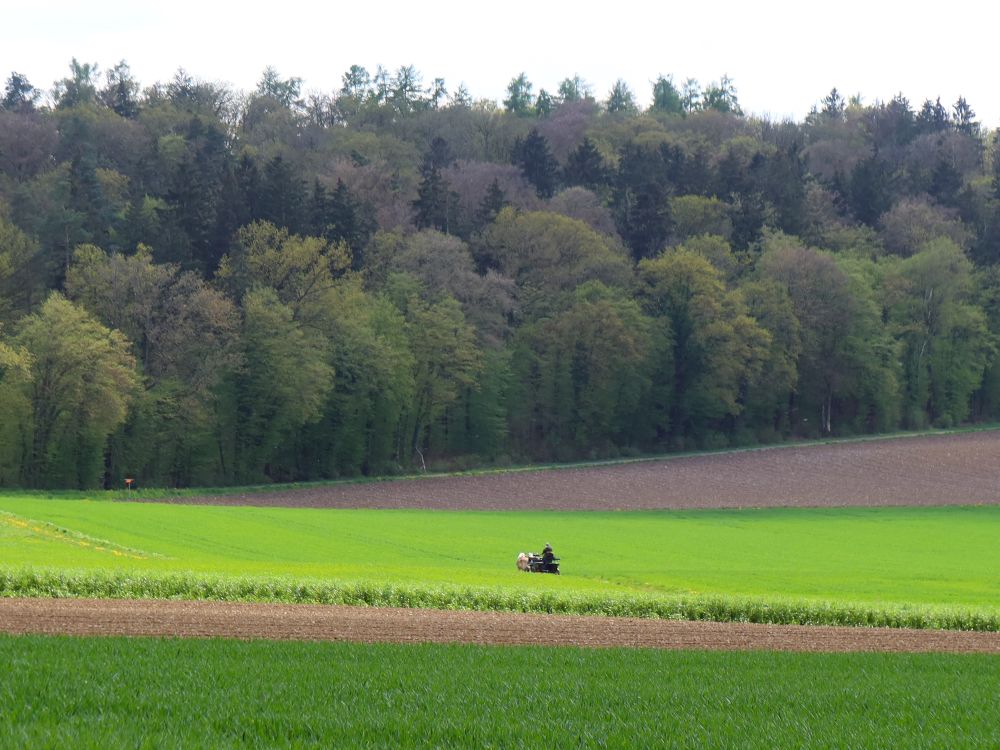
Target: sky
782	56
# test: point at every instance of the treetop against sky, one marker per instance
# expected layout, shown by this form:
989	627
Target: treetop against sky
783	58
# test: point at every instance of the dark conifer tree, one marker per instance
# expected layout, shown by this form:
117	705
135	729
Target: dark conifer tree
197	194
586	167
782	181
892	124
122	92
283	199
491	205
946	183
965	117
232	212
319	210
869	190
647	222
350	221
343	215
620	99
435	201
19	95
439	154
840	185
748	215
932	118
666	97
86	197
533	155
985	249
834	106
335	217
688	173
248	183
543	104
733	177
431	205
641	207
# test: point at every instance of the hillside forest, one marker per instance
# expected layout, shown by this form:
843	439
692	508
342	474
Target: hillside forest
202	286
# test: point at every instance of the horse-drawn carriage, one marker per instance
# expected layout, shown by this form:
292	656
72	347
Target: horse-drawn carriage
534	562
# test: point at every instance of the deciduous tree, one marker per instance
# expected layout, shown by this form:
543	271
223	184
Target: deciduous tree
300	270
15	411
282	387
22	273
79	88
82	380
581	376
947	344
546	253
717	348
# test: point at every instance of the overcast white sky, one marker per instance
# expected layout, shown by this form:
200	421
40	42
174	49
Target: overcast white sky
783	56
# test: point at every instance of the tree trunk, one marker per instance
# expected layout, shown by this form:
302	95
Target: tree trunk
827	414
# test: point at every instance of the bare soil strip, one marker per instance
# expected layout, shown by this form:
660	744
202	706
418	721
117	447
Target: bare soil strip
85	617
925	470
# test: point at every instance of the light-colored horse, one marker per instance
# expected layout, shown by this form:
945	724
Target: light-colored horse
522	562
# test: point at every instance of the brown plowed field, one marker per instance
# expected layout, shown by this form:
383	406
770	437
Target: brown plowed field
369	625
957	469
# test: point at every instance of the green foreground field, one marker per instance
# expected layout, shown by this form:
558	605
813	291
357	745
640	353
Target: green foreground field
118	692
785	560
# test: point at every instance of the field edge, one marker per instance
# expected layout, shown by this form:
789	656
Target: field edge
153	493
46	583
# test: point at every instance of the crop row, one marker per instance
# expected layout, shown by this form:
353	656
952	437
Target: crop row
119	692
100	584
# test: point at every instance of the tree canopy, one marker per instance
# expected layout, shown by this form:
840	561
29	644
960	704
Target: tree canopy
203	286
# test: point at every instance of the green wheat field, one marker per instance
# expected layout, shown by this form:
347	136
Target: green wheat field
119	692
920	567
793	564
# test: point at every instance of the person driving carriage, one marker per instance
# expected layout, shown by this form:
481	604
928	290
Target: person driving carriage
548	557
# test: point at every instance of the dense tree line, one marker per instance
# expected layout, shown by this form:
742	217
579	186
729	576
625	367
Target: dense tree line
203	286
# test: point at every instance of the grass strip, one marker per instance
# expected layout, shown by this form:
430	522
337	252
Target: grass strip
46	530
99	584
148	692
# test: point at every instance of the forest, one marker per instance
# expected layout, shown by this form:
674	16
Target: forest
202	286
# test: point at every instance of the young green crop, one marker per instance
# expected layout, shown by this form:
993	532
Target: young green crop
117	692
927	567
